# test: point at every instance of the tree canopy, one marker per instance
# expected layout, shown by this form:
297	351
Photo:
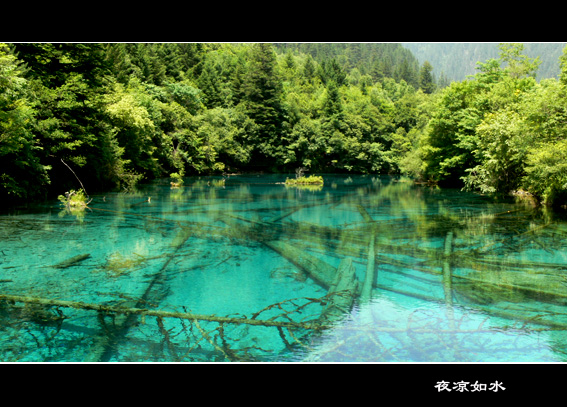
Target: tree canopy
119	114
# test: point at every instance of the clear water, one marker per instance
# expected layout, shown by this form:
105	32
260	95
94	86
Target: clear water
458	277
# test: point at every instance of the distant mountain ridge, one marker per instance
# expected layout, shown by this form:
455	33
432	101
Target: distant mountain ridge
456	61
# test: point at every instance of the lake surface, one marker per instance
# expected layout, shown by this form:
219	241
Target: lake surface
245	268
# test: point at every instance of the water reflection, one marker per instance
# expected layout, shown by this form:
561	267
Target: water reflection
398	272
383	330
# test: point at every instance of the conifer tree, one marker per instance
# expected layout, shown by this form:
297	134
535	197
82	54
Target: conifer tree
262	97
426	82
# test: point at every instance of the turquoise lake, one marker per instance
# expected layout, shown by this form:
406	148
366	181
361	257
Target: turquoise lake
246	269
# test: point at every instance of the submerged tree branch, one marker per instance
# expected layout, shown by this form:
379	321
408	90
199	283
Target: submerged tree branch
157	313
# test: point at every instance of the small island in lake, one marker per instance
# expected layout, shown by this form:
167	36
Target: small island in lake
311	180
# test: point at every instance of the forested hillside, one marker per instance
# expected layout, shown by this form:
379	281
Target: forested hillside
114	115
455	61
378	60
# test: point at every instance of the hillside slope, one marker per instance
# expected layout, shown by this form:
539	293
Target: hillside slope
457	60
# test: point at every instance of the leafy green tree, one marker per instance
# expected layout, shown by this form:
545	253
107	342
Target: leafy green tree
218	77
546	173
410	117
186	95
222	135
52	63
68	81
382	69
502	140
477	135
451	137
191	56
490	72
169	55
210	84
288	67
517	64
179	147
333	107
127	111
500	153
154	67
307	148
545	113
563	66
22	175
405	72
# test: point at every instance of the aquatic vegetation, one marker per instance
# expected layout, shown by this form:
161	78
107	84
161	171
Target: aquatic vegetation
118	264
217	183
176	180
306	187
312	183
287	272
74	203
310	180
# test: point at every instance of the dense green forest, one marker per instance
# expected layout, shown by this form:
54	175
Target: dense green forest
114	115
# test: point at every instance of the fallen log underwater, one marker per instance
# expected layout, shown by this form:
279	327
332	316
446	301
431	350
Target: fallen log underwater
342	293
321	272
370	275
341	282
460	274
72	261
142	312
428	260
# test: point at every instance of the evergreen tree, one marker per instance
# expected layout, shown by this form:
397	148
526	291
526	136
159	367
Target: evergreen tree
332	71
333	105
262	98
442	81
309	70
406	73
210	83
426	82
119	62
